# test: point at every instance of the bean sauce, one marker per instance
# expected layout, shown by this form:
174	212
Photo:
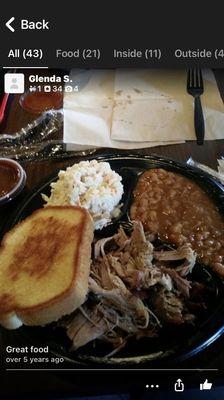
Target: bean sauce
179	211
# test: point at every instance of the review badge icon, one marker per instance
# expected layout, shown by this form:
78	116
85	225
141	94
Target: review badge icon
14	83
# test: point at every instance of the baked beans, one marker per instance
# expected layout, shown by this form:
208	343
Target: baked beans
179	211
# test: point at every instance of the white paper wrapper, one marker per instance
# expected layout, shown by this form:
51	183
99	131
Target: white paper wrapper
221	167
218	175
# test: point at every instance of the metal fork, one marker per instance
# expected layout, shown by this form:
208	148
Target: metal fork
195	88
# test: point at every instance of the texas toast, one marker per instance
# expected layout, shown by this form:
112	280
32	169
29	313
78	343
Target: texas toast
44	266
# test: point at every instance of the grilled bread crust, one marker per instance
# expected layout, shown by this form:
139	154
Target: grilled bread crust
44	266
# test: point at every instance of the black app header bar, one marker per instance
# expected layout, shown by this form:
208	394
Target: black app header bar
91	35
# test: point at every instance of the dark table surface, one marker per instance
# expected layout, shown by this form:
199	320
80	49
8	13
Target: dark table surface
37	171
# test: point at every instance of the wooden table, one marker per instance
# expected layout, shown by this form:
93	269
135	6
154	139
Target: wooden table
37	171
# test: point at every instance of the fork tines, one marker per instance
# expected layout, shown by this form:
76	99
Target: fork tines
195	80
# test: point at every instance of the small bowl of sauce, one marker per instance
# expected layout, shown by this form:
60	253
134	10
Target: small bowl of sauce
12	179
39	102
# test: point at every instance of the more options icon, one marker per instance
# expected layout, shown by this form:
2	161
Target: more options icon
14	83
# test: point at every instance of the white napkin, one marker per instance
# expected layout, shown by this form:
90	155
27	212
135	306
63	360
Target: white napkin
152	104
136	108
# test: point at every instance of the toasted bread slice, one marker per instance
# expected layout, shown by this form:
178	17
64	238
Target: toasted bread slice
44	266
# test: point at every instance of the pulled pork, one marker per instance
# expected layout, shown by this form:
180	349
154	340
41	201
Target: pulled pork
134	290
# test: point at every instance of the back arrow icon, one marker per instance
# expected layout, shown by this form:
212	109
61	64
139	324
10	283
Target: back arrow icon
8	24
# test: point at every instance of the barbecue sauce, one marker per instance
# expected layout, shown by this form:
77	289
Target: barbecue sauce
9	177
39	102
